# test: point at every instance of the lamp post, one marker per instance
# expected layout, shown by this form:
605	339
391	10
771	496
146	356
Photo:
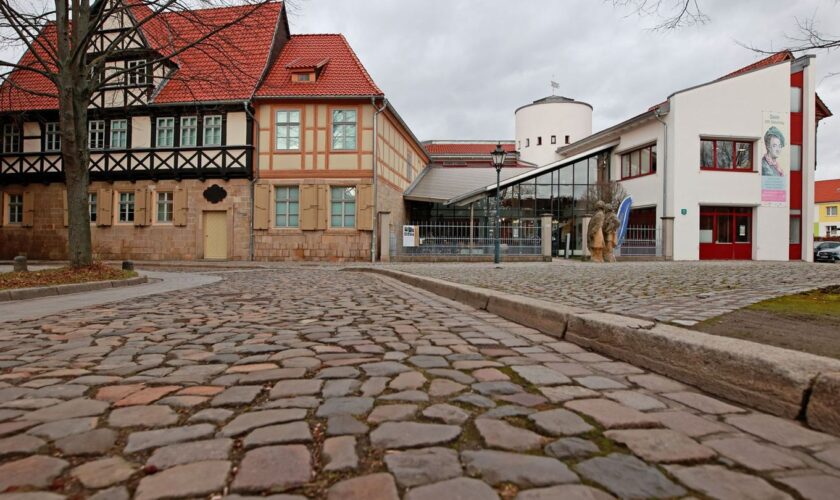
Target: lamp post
498	156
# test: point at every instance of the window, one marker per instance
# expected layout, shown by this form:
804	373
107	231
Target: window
213	130
726	155
527	142
639	162
165	137
137	72
568	139
302	77
795	228
554	139
96	134
52	139
92	206
344	129
795	100
15	208
343	207
164	207
286	206
831	211
126	207
539	141
795	157
189	131
11	138
287	130
119	134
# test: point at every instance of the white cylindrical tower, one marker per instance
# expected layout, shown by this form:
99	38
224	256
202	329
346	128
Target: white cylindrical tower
550	123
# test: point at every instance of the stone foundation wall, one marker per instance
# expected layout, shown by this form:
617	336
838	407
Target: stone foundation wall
335	245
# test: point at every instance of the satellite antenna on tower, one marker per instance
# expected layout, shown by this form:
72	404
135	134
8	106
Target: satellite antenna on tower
554	85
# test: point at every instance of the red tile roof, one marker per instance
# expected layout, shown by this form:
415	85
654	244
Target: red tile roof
342	75
227	65
827	191
307	63
466	148
776	58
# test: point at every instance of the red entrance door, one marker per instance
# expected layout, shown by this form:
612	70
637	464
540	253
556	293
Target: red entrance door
726	233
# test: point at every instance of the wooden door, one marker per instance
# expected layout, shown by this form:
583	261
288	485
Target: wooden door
215	235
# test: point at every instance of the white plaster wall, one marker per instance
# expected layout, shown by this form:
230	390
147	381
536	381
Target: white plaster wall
647	190
141	132
729	108
546	119
236	128
809	158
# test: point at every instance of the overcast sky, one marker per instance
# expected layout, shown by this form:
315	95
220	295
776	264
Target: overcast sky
457	69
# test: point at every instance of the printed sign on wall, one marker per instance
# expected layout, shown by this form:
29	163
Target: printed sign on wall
775	164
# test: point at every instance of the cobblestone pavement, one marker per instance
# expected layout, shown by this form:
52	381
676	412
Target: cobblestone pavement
325	384
683	292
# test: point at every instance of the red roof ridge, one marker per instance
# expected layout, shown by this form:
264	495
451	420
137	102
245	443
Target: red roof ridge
361	66
784	55
223	7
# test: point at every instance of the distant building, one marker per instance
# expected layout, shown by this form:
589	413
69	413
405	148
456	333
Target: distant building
827	208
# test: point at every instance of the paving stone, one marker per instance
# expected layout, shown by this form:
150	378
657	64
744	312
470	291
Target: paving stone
524	399
718	482
295	432
296	387
40	495
830	456
562	394
103	472
387	413
560	422
95	442
628	477
378	486
36	471
462	488
500	434
146	396
429	361
374	386
566	492
296	402
114	493
340	387
662	445
408	380
688	424
215	415
412	434
247	421
636	400
489	375
190	480
340	453
525	471
143	440
423	466
67	410
384	369
146	416
457	376
412	396
599	383
345	406
703	403
570	447
251	368
814	487
569	369
62	428
338	425
755	456
237	396
497	388
19	445
612	415
778	430
447	414
271	375
273	468
186	453
508	411
338	372
442	387
540	375
656	383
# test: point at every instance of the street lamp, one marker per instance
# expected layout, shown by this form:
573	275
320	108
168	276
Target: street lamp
498	156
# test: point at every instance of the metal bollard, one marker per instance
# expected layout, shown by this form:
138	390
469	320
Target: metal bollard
20	264
127	265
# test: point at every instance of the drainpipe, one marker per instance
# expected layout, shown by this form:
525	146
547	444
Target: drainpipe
256	140
667	245
376	113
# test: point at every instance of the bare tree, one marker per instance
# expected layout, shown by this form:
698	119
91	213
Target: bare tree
66	56
612	193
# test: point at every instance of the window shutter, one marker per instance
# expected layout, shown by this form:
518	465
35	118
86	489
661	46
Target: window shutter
179	207
262	199
28	208
323	207
364	207
104	207
141	215
308	207
64	205
150	207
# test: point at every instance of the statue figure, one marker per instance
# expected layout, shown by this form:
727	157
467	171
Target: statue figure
611	225
595	233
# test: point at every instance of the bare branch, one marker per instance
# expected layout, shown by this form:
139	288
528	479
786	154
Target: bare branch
672	14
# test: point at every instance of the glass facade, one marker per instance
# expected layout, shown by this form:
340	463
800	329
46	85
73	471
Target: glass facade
561	192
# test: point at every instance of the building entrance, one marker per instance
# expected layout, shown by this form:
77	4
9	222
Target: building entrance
726	233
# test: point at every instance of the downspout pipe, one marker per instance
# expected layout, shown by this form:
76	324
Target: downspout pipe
376	112
254	180
658	115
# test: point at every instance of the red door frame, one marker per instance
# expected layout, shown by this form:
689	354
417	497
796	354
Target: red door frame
727	251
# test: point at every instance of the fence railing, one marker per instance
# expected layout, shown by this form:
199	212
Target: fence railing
641	241
522	238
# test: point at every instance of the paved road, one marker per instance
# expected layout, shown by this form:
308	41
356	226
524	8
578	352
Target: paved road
325	384
685	292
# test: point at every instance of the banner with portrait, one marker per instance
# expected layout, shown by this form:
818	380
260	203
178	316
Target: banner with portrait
775	159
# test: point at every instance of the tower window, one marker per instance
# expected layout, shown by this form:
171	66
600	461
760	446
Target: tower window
554	139
539	141
568	139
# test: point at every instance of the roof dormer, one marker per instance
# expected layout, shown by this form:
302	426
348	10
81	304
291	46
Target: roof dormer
307	69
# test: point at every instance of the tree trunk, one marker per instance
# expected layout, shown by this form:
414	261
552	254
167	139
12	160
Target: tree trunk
75	157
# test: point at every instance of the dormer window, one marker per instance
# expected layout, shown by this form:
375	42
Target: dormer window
137	72
302	77
306	69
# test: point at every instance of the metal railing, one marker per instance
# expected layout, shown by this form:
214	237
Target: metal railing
464	239
641	241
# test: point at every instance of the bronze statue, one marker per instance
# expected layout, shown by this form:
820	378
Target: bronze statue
611	225
595	233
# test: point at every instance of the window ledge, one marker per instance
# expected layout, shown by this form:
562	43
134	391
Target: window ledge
740	170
